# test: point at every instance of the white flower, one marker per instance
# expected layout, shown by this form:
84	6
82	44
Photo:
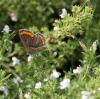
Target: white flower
38	85
29	58
13	16
17	80
56	28
64	12
27	96
77	70
6	29
15	61
85	95
56	20
55	54
45	79
65	84
55	74
4	90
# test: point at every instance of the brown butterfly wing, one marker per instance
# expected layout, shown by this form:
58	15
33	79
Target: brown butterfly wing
39	43
32	42
25	37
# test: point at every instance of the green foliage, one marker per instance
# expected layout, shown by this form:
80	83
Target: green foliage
67	48
33	12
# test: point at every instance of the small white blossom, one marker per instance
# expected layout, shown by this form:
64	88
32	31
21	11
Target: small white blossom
27	96
85	95
15	61
55	74
17	80
64	12
56	28
45	79
77	70
56	20
54	54
38	85
29	58
6	29
13	16
65	84
4	90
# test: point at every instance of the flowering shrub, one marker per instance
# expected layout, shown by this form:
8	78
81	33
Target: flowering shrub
69	66
30	13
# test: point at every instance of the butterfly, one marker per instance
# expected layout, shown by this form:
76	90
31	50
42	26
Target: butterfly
32	42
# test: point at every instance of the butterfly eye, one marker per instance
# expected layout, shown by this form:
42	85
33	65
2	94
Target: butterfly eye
32	42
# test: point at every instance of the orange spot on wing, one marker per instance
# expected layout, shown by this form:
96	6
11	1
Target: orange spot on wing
25	32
